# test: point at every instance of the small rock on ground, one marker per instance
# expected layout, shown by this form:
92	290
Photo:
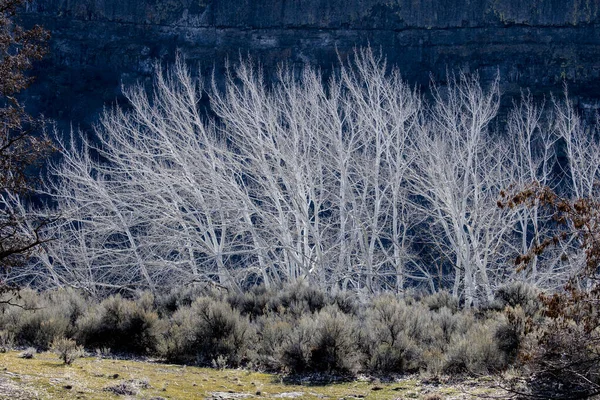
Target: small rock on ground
290	395
227	396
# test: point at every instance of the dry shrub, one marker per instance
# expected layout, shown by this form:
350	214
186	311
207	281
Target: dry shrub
385	338
562	352
562	358
335	345
297	348
476	351
209	329
121	325
519	294
28	353
7	341
125	388
272	331
253	303
168	303
439	300
298	299
66	349
39	317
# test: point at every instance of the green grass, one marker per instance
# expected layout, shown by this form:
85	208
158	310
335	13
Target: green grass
45	377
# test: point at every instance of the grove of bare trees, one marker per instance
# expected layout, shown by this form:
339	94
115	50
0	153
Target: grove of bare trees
354	182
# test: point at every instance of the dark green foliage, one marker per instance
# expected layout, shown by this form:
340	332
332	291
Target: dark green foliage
122	325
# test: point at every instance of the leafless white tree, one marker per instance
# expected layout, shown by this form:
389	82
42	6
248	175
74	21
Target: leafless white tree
533	141
339	181
582	146
459	171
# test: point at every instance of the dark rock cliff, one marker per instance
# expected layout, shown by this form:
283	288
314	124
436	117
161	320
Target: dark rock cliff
99	44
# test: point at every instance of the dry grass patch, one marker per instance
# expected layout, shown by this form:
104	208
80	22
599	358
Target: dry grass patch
46	377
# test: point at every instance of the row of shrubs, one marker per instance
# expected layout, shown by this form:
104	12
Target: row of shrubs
295	329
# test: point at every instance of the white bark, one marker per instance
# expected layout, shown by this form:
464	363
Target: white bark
337	183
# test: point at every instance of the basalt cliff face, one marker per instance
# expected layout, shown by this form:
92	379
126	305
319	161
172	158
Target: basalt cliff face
97	45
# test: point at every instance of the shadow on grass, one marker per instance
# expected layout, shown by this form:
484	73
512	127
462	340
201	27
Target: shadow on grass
317	379
54	364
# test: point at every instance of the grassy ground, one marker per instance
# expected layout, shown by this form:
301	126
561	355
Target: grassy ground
45	377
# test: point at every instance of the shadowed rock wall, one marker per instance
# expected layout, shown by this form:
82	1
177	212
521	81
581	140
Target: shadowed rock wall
99	44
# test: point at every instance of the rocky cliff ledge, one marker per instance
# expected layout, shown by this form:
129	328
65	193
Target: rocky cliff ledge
99	44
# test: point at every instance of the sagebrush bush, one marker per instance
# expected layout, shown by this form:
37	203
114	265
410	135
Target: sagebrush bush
167	303
39	317
7	340
439	300
326	341
346	302
421	325
295	299
177	337
451	323
401	356
222	330
121	325
295	328
66	349
254	302
298	299
385	339
476	351
207	330
297	347
519	294
272	331
335	344
39	327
